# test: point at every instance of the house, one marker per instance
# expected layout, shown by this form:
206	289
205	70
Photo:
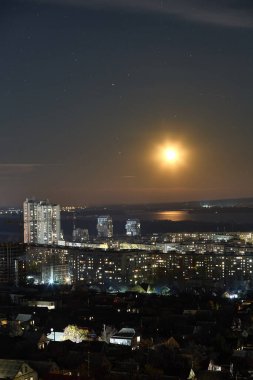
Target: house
25	320
49	304
43	342
16	369
44	368
170	343
126	337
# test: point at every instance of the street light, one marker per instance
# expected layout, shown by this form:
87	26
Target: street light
52	331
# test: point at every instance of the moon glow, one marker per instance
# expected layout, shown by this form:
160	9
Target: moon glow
170	155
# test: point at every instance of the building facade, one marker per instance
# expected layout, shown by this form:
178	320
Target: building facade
118	268
80	235
12	263
133	227
41	222
104	226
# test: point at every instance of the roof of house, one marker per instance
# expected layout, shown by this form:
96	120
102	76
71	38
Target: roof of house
43	367
23	317
124	333
9	368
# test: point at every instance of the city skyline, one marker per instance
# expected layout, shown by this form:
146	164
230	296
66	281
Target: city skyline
94	93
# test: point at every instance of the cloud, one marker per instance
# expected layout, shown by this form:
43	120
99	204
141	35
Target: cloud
21	168
25	165
19	165
226	13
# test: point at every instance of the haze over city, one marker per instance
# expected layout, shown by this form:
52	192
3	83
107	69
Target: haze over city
126	101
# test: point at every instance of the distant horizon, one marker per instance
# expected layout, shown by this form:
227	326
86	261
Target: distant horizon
114	205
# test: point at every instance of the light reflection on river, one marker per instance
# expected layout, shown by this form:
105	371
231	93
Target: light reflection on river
175	216
207	217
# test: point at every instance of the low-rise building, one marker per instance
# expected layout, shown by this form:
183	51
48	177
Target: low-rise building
126	337
16	370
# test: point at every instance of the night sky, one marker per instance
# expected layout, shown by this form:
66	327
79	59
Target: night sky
91	92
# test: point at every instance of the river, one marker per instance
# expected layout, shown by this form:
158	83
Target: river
155	221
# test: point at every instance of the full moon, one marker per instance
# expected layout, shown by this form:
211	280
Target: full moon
170	155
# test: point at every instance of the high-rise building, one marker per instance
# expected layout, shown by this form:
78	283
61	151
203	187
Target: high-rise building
12	263
80	235
41	222
105	226
133	227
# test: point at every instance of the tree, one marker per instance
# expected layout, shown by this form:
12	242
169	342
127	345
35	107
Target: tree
153	373
15	329
107	333
75	334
